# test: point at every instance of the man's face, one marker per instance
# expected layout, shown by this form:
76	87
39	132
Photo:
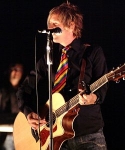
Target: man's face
66	36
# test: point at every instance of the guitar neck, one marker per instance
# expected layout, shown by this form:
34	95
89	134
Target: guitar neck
99	83
68	105
74	101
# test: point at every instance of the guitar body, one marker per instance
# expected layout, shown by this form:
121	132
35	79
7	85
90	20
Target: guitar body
23	139
62	128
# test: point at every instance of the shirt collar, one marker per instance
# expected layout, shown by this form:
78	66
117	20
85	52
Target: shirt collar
75	45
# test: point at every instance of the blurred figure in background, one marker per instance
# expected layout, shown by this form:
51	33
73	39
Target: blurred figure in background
8	102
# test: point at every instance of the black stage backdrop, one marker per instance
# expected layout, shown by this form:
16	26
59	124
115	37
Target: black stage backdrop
104	24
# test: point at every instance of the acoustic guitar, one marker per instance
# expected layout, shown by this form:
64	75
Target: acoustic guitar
64	114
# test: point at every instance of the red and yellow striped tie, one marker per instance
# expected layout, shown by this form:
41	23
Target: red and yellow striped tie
60	77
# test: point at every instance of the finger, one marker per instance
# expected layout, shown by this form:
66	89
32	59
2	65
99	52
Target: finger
82	100
84	96
35	116
33	128
80	90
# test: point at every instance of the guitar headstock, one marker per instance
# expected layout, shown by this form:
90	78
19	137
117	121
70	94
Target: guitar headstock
117	74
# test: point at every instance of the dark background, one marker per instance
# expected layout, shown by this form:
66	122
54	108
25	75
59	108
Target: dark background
104	24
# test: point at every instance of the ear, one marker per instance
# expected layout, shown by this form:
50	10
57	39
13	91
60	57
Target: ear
72	26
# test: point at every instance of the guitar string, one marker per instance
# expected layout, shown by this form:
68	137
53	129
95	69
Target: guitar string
67	105
99	82
71	103
75	99
64	107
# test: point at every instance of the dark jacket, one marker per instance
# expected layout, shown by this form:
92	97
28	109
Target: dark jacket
8	108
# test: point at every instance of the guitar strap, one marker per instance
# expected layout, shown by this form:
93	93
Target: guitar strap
82	72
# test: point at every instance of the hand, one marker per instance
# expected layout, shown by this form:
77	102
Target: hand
85	99
34	120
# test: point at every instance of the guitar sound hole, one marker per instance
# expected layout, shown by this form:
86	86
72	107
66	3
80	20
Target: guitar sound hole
48	119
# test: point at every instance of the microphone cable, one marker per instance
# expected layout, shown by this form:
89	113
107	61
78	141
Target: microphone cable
37	92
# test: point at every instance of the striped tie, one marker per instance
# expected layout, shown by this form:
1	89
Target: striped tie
60	77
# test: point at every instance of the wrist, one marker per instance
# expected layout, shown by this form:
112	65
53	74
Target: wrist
97	101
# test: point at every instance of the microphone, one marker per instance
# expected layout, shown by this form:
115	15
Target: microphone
54	30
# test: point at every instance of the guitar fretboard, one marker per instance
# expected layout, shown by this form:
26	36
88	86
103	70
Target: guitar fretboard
74	101
67	106
99	83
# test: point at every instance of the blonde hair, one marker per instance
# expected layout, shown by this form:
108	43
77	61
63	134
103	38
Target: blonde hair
68	13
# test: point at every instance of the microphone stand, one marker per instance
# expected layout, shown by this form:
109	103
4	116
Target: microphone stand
49	48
